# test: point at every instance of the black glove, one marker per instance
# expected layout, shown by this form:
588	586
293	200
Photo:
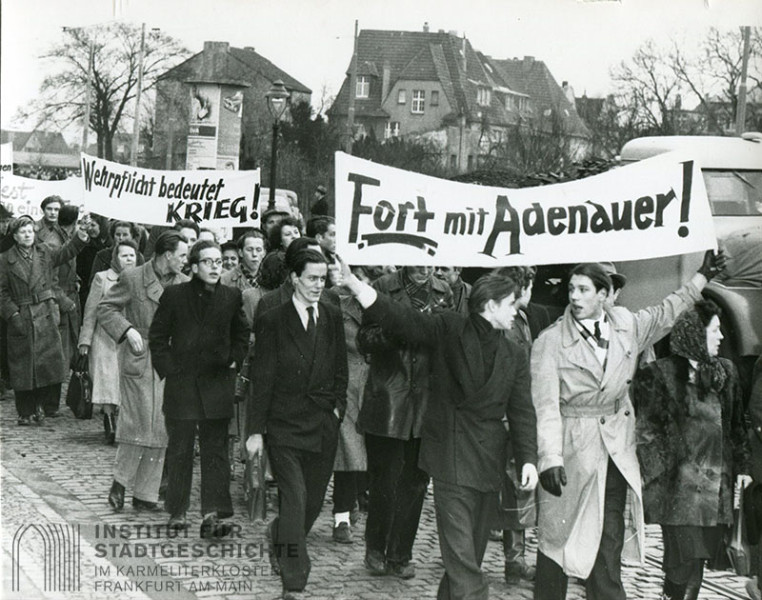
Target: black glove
553	480
713	263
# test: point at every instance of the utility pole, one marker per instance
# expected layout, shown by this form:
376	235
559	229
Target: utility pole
136	125
88	85
741	107
352	94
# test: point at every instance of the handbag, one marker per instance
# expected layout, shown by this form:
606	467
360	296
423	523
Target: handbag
79	397
738	550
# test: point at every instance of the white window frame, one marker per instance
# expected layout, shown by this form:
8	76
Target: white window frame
362	86
418	103
392	129
483	96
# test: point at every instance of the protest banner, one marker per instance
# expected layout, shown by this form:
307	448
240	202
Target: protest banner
216	198
657	207
22	196
6	157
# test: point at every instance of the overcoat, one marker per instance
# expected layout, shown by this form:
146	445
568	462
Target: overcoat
463	440
350	453
398	384
690	445
194	352
35	357
585	417
104	365
68	300
131	303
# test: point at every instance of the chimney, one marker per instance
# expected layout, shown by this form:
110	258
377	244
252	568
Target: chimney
527	62
214	59
385	76
568	92
249	48
426	27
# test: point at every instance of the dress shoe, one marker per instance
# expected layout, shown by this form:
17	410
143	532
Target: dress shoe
403	571
212	527
342	534
292	595
177	522
139	504
24	421
116	495
38	416
516	570
375	563
274	563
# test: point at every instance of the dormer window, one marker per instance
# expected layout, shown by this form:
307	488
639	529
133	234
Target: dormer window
483	96
362	89
419	102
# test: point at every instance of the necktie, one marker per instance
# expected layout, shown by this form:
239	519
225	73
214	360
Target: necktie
311	323
602	343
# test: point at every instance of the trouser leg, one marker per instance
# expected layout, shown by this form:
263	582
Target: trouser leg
408	502
126	464
513	544
288	531
344	491
385	459
318	468
50	397
461	540
179	464
215	467
605	580
25	402
551	581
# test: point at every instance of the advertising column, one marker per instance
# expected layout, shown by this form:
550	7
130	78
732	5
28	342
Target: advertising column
214	135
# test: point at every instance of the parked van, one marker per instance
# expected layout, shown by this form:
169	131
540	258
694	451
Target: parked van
732	171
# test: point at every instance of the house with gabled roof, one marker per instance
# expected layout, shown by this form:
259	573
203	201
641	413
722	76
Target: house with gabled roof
219	63
436	85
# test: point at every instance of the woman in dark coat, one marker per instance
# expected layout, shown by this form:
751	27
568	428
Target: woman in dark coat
692	444
29	297
273	270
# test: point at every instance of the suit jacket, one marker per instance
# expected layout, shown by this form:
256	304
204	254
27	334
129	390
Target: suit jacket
194	349
463	437
294	387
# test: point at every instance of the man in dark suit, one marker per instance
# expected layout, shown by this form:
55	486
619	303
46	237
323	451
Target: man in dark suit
478	376
198	337
298	398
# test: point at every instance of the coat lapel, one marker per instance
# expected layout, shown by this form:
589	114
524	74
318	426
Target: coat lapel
472	352
296	331
577	350
19	267
620	348
322	342
154	290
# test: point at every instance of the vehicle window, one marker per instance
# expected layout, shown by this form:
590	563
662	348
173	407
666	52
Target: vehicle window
733	193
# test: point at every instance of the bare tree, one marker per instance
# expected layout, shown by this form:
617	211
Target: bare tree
116	50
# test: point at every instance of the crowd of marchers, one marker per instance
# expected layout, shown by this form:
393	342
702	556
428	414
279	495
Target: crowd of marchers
270	348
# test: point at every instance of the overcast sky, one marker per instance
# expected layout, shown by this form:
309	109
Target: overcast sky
312	39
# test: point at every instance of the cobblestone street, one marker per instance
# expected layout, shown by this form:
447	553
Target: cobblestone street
55	480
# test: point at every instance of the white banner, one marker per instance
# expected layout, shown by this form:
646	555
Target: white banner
215	198
23	196
6	157
657	207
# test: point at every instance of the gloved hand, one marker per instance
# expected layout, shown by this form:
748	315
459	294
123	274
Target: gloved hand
713	263
553	480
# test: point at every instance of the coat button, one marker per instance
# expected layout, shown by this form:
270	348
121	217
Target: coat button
603	420
627	413
629	381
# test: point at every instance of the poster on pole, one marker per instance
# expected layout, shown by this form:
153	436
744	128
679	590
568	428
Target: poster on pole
23	196
656	207
203	125
215	198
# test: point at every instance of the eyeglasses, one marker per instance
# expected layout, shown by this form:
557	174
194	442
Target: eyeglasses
208	262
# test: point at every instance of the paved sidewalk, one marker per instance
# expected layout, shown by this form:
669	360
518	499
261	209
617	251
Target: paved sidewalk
55	480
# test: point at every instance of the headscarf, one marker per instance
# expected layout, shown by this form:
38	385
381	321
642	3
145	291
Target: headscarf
115	254
688	339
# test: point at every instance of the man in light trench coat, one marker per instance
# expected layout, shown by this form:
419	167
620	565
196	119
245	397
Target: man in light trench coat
582	366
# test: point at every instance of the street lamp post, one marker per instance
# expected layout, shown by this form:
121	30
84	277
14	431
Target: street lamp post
277	101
